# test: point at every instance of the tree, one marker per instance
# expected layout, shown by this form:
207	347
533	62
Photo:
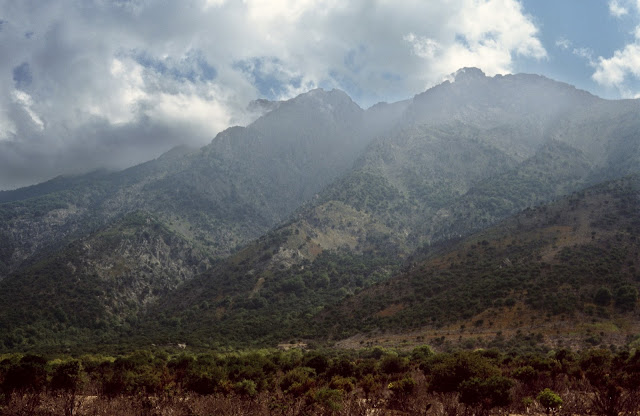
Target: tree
549	400
626	297
454	369
603	297
486	393
28	374
66	380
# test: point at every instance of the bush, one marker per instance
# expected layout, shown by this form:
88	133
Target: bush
392	364
28	374
246	388
421	353
603	297
329	398
525	374
66	376
456	368
342	383
550	400
626	298
403	387
487	393
298	381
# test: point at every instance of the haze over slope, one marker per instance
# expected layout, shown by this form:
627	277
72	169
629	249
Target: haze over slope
434	177
351	194
244	182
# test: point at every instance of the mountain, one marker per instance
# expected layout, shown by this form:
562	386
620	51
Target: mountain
312	203
97	283
570	264
247	180
417	186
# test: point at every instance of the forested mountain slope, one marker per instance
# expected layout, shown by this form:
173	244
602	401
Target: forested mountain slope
310	204
574	263
420	185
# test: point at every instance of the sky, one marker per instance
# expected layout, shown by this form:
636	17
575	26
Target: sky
91	84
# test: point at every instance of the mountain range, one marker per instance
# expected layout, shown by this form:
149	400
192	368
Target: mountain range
324	221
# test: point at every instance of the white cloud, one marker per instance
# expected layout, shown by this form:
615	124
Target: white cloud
484	33
616	70
422	46
189	109
563	43
621	69
7	127
616	10
25	100
163	66
585	53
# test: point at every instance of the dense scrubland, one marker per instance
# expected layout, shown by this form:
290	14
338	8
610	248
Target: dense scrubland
297	382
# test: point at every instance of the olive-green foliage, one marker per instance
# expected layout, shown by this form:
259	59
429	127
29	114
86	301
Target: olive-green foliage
596	365
449	371
525	373
486	392
605	382
626	297
402	387
392	364
67	376
246	387
298	381
603	296
500	267
329	398
550	400
345	384
421	353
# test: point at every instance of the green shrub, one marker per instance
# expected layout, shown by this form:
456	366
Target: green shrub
525	374
329	398
603	297
403	386
393	364
342	383
246	388
453	369
487	393
298	381
550	400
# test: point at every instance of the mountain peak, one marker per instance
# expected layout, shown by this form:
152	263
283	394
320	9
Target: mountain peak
333	101
322	94
468	74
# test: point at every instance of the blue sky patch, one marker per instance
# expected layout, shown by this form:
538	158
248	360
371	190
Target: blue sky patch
22	76
268	75
193	67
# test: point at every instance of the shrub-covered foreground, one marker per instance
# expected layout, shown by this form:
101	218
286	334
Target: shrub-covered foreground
366	382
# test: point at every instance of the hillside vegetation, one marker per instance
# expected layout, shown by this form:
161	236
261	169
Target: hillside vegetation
321	220
574	262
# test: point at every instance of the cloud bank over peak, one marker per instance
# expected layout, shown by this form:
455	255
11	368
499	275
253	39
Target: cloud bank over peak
93	84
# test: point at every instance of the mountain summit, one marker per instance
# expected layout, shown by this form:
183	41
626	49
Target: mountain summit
468	74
